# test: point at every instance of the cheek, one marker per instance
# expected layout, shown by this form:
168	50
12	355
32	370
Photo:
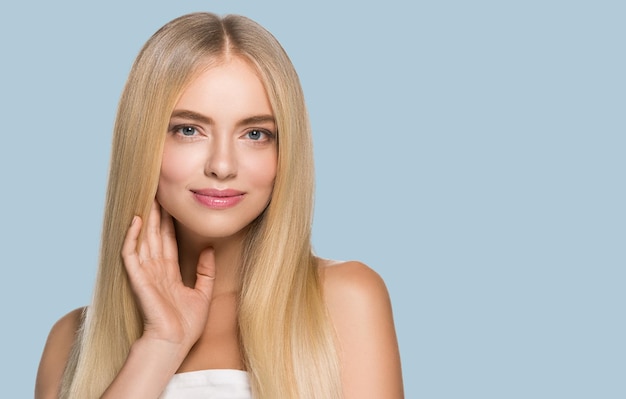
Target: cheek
263	171
176	167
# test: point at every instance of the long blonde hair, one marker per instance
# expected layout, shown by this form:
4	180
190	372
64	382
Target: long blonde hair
287	339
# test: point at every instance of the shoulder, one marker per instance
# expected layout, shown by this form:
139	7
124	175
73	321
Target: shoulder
360	310
56	353
354	292
351	284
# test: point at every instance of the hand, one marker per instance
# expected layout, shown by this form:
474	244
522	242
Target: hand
172	312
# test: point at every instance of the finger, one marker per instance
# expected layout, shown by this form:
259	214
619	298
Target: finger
205	272
168	236
153	232
129	247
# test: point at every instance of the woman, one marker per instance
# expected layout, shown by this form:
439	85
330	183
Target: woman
207	283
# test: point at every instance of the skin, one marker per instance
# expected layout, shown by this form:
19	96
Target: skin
187	263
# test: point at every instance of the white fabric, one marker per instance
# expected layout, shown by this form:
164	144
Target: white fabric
208	384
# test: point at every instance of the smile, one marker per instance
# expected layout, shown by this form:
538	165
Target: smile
218	199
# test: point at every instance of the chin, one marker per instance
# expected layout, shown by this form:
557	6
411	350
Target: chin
210	232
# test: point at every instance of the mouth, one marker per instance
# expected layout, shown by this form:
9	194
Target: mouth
218	199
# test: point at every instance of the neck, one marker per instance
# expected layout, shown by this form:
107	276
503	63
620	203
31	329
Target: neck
228	251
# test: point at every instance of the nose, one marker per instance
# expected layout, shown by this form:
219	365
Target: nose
221	160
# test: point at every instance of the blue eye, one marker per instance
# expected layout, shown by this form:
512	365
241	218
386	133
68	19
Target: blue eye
187	130
256	134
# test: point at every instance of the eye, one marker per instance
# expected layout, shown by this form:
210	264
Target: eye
187	130
256	134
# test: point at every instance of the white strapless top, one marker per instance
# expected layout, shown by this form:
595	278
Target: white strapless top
208	384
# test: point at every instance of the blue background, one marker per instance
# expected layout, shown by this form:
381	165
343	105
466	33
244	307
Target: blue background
470	152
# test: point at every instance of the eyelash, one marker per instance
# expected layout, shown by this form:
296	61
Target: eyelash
267	133
178	130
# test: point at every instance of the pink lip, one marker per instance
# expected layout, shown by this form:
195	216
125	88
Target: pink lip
218	199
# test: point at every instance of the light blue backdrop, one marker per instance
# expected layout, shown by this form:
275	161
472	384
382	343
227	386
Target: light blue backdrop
472	152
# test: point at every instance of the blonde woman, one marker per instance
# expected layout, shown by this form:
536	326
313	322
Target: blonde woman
207	286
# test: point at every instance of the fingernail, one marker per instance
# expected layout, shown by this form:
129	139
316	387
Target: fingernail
134	220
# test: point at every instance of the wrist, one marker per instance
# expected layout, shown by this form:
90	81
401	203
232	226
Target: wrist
162	351
150	364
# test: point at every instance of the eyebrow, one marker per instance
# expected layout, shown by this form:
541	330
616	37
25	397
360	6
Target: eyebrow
194	116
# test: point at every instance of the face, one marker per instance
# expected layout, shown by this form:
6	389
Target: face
220	155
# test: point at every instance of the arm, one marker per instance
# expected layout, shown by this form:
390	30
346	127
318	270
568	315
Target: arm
148	367
55	355
361	312
174	315
148	361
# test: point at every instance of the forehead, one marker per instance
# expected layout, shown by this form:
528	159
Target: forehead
230	86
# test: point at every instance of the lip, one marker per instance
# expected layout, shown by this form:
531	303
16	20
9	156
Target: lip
218	199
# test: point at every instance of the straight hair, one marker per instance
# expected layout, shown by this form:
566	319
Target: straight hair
287	339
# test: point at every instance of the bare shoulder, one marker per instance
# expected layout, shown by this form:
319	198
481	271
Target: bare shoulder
354	290
351	283
361	312
56	353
